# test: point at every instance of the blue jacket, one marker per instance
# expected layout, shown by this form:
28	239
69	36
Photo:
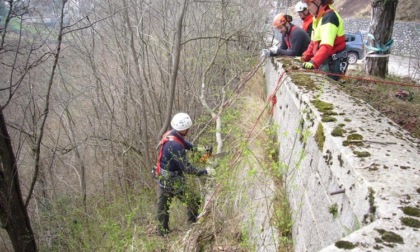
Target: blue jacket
174	156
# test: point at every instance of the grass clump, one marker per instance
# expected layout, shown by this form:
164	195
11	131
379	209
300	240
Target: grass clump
328	119
411	222
323	107
353	139
362	154
345	245
333	209
389	236
338	131
412	211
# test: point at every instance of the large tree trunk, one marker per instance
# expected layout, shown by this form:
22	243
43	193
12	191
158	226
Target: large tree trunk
13	215
381	27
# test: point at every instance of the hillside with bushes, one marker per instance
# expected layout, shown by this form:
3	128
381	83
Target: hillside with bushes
407	10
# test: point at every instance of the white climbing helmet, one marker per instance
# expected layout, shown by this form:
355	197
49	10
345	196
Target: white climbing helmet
300	6
181	121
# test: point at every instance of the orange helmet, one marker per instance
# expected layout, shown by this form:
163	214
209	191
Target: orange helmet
323	2
281	19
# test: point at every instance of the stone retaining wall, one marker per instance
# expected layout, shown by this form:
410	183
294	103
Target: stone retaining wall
351	193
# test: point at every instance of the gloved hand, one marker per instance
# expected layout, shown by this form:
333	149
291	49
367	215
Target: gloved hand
308	65
201	172
298	58
265	53
211	171
273	49
209	149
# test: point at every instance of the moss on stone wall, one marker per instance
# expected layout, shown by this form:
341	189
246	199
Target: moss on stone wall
320	137
345	245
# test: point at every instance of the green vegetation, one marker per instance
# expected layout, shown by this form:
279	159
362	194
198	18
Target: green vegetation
323	107
411	222
362	154
389	236
382	97
353	139
328	119
412	211
370	216
345	245
338	131
303	80
333	209
320	137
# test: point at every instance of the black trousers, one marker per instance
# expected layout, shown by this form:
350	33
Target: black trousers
165	197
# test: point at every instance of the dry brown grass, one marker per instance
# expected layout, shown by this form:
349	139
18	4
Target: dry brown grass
382	96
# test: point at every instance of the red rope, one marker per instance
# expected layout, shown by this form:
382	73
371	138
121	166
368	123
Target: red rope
273	99
273	103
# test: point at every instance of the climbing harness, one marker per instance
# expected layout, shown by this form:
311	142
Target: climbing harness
156	170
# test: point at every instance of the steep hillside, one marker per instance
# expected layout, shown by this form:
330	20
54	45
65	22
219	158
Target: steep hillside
407	10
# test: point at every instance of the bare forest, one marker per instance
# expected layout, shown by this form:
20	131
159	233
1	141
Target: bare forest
87	88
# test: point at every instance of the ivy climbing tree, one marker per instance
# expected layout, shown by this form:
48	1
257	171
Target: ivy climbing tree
380	36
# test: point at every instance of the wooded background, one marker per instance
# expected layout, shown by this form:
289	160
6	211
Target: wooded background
87	89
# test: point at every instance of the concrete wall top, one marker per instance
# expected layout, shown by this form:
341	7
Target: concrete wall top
359	189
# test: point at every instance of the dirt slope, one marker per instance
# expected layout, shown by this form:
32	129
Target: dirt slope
407	10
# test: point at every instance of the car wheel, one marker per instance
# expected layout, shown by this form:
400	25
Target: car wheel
353	57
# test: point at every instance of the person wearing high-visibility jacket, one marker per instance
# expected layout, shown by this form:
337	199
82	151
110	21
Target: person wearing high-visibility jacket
327	50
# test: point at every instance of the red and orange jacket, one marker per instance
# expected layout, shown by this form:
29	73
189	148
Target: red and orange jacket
307	24
327	38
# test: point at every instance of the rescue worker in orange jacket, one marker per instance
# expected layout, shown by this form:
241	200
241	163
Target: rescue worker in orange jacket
301	9
294	39
327	50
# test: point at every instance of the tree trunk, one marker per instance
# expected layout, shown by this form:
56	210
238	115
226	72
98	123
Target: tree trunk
13	215
174	68
381	27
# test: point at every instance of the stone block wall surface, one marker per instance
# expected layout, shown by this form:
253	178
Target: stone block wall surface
334	192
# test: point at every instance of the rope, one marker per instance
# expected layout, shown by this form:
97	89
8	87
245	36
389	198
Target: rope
378	51
273	103
273	99
357	78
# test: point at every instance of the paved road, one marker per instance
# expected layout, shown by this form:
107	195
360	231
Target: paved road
403	66
400	66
